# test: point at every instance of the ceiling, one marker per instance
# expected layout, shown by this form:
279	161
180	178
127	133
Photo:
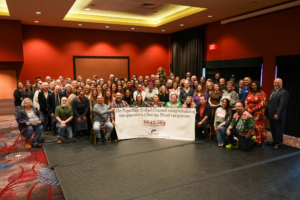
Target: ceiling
165	16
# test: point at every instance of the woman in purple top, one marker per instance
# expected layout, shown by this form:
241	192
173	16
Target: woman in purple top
198	93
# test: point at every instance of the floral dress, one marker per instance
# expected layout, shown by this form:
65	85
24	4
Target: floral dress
256	104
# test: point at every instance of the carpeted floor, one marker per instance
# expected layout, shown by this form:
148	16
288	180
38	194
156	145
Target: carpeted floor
24	174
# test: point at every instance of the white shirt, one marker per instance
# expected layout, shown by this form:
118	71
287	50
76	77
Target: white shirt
142	93
36	100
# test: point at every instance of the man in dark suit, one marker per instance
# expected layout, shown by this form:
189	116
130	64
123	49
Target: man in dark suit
203	118
42	99
54	100
276	112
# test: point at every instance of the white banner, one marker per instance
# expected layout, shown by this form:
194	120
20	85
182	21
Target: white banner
148	122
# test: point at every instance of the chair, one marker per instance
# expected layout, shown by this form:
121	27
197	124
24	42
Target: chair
102	128
210	130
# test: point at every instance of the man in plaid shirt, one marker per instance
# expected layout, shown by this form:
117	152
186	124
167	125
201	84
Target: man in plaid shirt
118	103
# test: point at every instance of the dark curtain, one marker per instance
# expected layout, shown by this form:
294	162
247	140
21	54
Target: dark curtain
187	51
240	73
289	71
239	67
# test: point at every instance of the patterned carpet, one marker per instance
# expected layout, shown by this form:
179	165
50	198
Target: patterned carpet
24	174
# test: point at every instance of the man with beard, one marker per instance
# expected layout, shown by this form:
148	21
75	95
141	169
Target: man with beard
241	127
118	103
64	115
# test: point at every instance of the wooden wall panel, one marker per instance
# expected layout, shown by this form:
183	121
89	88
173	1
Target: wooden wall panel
8	83
102	67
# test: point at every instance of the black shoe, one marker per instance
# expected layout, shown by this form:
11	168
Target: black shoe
99	142
270	143
36	145
78	136
41	140
276	147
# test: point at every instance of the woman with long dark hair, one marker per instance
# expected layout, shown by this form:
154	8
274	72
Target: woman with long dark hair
28	90
222	120
127	97
108	98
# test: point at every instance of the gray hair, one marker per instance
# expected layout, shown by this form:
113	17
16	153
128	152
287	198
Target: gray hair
26	99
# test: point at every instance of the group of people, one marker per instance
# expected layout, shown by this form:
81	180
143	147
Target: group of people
235	109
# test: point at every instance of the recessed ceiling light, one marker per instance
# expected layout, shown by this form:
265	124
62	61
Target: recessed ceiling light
106	26
87	9
181	24
132	28
163	30
209	15
38	13
79	24
36	21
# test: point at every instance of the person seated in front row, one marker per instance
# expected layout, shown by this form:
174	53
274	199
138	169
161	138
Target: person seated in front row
222	121
64	115
102	116
118	103
30	119
156	103
173	103
241	127
189	103
139	101
203	118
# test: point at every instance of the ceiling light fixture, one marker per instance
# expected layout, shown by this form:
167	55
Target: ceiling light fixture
132	28
163	30
181	24
106	26
36	21
209	15
38	13
79	24
87	9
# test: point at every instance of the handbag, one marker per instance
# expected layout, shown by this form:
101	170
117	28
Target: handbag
82	126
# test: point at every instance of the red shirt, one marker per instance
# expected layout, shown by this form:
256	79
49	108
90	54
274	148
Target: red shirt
201	112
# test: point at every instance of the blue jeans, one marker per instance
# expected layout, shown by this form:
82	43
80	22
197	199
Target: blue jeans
62	131
38	132
97	126
221	134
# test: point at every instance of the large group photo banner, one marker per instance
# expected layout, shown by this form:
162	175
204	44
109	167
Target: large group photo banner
148	122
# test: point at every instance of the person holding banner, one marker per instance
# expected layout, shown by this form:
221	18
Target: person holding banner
203	118
156	103
173	103
118	103
139	101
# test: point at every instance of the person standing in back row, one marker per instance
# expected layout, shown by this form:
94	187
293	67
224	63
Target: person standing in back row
245	90
276	112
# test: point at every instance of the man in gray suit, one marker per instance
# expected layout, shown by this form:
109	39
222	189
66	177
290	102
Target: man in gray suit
276	112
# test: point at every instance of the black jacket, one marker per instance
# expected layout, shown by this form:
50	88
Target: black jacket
207	112
183	95
163	98
29	94
51	102
43	101
18	95
277	104
22	118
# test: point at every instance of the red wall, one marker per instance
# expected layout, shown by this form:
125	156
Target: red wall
265	36
11	48
50	50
